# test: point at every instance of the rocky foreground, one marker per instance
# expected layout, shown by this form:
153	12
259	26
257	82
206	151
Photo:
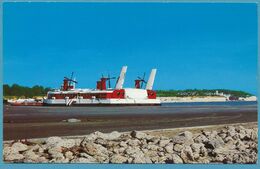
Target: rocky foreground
228	145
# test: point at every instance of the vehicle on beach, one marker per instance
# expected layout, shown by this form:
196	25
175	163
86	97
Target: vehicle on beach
69	95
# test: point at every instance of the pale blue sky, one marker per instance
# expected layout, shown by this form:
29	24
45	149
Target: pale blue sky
201	46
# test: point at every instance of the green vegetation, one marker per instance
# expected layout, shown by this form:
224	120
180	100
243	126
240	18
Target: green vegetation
24	92
17	91
202	92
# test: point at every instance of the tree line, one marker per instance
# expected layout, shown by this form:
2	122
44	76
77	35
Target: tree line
22	91
201	92
37	90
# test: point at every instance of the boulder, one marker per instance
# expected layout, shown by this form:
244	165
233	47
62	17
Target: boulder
214	143
123	144
94	149
19	146
178	147
117	158
11	154
73	120
101	141
187	154
14	157
163	143
183	138
134	142
138	134
82	160
69	155
53	141
231	131
66	143
56	154
201	139
176	159
169	148
30	155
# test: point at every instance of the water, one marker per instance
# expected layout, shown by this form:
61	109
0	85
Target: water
229	103
166	108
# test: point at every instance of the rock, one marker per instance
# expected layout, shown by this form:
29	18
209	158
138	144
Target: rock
230	145
178	147
134	142
152	147
94	149
161	153
123	144
139	157
11	154
187	154
69	155
19	146
101	141
56	153
88	157
132	150
35	148
254	135
53	141
73	120
119	150
110	136
82	160
228	139
118	159
9	150
201	139
113	136
183	138
215	143
231	131
219	158
67	143
163	143
14	157
212	134
241	146
31	156
176	159
153	140
152	155
102	159
60	160
169	148
42	160
196	147
138	134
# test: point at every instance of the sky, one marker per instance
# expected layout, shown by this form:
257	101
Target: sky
192	45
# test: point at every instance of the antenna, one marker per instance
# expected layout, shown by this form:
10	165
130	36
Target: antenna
109	80
71	77
142	80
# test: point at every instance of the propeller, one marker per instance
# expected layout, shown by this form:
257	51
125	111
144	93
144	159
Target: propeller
70	79
109	78
142	80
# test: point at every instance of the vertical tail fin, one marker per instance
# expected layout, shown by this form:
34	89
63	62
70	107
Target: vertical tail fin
149	85
121	79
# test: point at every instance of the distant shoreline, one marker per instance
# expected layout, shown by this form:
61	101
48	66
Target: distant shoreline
201	99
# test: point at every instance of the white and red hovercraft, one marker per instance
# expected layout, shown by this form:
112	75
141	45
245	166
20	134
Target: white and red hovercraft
68	95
